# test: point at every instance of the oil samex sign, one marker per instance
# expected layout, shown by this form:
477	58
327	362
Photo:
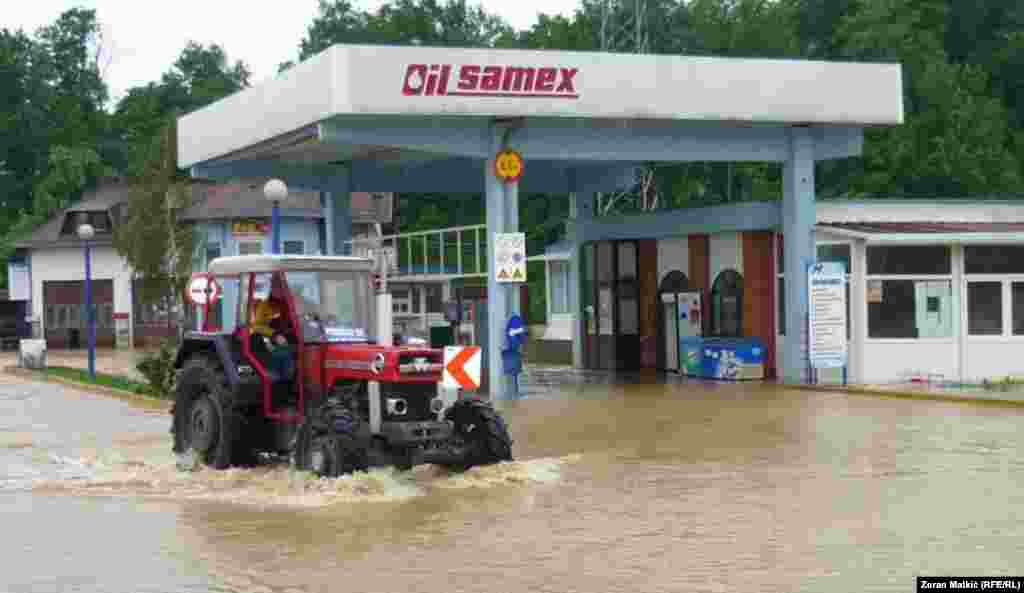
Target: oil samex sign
472	80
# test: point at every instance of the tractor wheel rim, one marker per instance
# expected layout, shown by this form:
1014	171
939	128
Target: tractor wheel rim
204	426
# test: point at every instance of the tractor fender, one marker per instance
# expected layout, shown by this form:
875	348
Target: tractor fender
215	346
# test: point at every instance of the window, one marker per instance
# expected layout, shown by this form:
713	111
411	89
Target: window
781	300
727	305
909	292
559	273
994	259
212	251
909	260
838	252
293	247
985	308
995	290
433	298
250	247
1017	304
910	308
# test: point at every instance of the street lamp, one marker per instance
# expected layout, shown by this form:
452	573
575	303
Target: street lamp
86	233
275	190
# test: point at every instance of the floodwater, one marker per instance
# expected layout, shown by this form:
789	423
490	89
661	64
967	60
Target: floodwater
643	487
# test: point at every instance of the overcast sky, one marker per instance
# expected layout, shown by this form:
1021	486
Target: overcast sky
145	36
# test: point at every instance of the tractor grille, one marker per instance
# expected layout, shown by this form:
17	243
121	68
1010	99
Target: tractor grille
417	397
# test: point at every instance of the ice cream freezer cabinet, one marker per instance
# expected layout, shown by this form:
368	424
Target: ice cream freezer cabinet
728	359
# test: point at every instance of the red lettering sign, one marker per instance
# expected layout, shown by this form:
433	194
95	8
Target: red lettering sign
432	80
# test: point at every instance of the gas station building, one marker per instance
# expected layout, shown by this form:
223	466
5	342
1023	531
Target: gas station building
418	119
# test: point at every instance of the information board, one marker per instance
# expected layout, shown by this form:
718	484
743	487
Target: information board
510	257
827	311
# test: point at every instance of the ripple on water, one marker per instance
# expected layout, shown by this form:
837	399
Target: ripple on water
283	486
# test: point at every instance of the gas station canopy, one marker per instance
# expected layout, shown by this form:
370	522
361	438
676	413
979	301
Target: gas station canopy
386	111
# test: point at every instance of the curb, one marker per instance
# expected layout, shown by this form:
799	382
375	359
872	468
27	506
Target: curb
909	394
89	387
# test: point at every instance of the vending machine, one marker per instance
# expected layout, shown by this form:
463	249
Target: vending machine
690	316
682	314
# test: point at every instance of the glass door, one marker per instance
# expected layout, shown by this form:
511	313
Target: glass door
588	317
606	322
627	290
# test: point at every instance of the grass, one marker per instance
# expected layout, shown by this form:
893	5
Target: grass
102	379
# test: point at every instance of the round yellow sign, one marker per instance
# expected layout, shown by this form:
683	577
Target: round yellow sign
508	166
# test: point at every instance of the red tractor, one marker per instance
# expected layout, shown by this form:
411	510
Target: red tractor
310	380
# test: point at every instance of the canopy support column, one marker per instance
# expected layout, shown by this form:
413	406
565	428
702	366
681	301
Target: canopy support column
502	209
337	206
798	220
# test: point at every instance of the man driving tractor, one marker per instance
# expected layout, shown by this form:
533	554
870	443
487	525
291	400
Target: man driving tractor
269	327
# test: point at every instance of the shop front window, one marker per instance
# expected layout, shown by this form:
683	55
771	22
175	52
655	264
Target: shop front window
985	308
995	290
909	292
559	274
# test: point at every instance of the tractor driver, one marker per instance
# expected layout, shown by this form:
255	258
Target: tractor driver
270	325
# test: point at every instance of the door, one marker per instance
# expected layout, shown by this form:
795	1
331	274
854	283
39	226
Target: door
627	309
605	273
67	321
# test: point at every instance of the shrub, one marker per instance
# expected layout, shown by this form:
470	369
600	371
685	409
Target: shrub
158	369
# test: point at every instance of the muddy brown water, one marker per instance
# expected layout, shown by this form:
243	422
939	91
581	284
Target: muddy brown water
644	487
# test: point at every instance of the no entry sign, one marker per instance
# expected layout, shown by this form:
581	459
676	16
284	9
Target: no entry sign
461	368
203	289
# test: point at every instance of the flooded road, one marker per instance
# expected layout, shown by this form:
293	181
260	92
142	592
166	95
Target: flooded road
638	488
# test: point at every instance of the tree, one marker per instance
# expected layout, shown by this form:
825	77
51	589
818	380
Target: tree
956	140
150	238
403	22
201	75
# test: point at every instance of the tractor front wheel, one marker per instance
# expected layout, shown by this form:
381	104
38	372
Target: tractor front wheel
482	431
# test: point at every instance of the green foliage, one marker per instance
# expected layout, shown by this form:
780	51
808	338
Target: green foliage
158	369
102	379
403	22
157	247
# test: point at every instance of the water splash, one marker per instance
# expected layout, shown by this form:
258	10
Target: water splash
281	485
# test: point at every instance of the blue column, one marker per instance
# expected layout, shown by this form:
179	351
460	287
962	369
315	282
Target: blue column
89	314
798	220
338	214
497	299
275	229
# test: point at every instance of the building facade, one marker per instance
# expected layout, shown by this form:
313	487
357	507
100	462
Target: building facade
48	269
935	290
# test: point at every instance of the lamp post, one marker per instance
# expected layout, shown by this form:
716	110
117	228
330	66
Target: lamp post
86	233
275	190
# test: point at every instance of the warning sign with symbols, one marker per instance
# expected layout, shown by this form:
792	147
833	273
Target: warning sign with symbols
510	257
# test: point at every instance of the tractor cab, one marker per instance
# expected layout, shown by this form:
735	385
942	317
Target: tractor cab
286	360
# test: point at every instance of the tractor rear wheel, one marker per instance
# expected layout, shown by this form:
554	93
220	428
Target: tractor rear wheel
479	426
205	419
